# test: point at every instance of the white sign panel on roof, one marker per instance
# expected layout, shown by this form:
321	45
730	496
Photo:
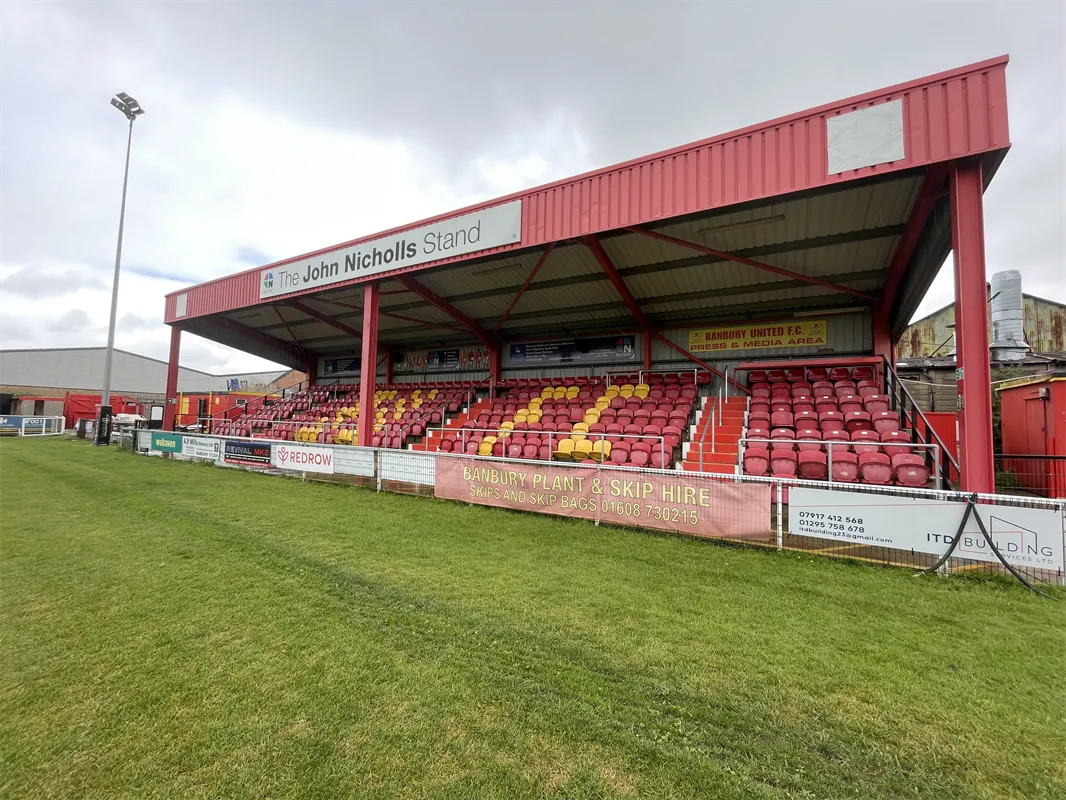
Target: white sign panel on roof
1027	537
866	137
470	233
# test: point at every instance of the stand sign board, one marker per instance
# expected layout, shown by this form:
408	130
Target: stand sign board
1027	537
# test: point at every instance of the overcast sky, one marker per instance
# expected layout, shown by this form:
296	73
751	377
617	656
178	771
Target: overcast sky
274	129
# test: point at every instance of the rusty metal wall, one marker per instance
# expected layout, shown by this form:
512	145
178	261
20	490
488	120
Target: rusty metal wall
1045	330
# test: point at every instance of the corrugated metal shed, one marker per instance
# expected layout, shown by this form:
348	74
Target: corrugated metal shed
1044	321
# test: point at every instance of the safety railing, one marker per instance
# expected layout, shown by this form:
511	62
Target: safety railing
896	447
717	406
912	418
464	436
609	375
32	426
1028	474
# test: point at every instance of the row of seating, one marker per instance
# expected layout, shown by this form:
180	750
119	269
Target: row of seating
902	469
620	452
799	374
860	441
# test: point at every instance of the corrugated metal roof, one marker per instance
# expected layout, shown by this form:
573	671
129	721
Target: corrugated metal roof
947	116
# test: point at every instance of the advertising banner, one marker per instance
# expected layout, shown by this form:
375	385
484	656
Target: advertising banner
201	447
798	333
333	366
303	459
10	426
479	230
246	453
575	351
457	359
677	503
1027	537
166	442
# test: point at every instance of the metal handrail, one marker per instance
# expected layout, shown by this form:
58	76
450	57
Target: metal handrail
717	407
901	397
595	437
934	449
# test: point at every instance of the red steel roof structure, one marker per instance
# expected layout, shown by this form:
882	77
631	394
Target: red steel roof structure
849	206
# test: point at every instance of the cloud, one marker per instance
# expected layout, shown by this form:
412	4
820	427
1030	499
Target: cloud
75	322
28	282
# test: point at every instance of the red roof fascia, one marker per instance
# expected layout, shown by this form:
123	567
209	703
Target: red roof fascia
948	115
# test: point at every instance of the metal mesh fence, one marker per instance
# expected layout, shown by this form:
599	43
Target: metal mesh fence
890	525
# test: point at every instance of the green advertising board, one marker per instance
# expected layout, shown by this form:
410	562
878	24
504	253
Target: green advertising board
166	442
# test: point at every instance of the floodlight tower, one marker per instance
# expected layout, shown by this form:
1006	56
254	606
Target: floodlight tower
131	109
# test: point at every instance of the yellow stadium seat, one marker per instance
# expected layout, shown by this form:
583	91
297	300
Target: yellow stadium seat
580	431
485	448
533	416
572	392
626	390
582	450
602	403
520	417
489	439
559	393
535	402
564	449
507	426
601	450
547	392
610	391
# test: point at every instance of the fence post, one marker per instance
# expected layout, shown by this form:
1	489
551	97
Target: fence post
780	515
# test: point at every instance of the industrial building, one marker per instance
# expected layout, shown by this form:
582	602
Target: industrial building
40	379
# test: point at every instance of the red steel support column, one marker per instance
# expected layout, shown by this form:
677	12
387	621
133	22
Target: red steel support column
368	364
170	410
883	338
971	328
311	370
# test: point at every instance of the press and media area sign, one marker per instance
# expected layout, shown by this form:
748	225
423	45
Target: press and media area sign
10	426
762	336
479	230
575	351
1027	537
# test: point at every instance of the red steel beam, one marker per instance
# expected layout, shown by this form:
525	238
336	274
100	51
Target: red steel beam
367	373
609	269
836	287
306	309
522	291
446	308
695	360
932	188
258	336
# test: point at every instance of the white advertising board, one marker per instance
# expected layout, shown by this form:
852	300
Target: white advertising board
479	230
201	447
303	459
1027	537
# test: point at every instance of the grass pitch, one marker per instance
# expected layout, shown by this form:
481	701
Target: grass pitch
176	630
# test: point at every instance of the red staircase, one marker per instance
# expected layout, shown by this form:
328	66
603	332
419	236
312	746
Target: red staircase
431	442
719	446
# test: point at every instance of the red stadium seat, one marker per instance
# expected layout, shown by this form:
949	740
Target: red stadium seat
875	468
862	373
781	419
892	440
840	438
875	402
783	462
845	467
756	376
857	420
813	465
865	441
809	440
910	470
817	374
783	438
640	455
885	421
839	374
756	461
